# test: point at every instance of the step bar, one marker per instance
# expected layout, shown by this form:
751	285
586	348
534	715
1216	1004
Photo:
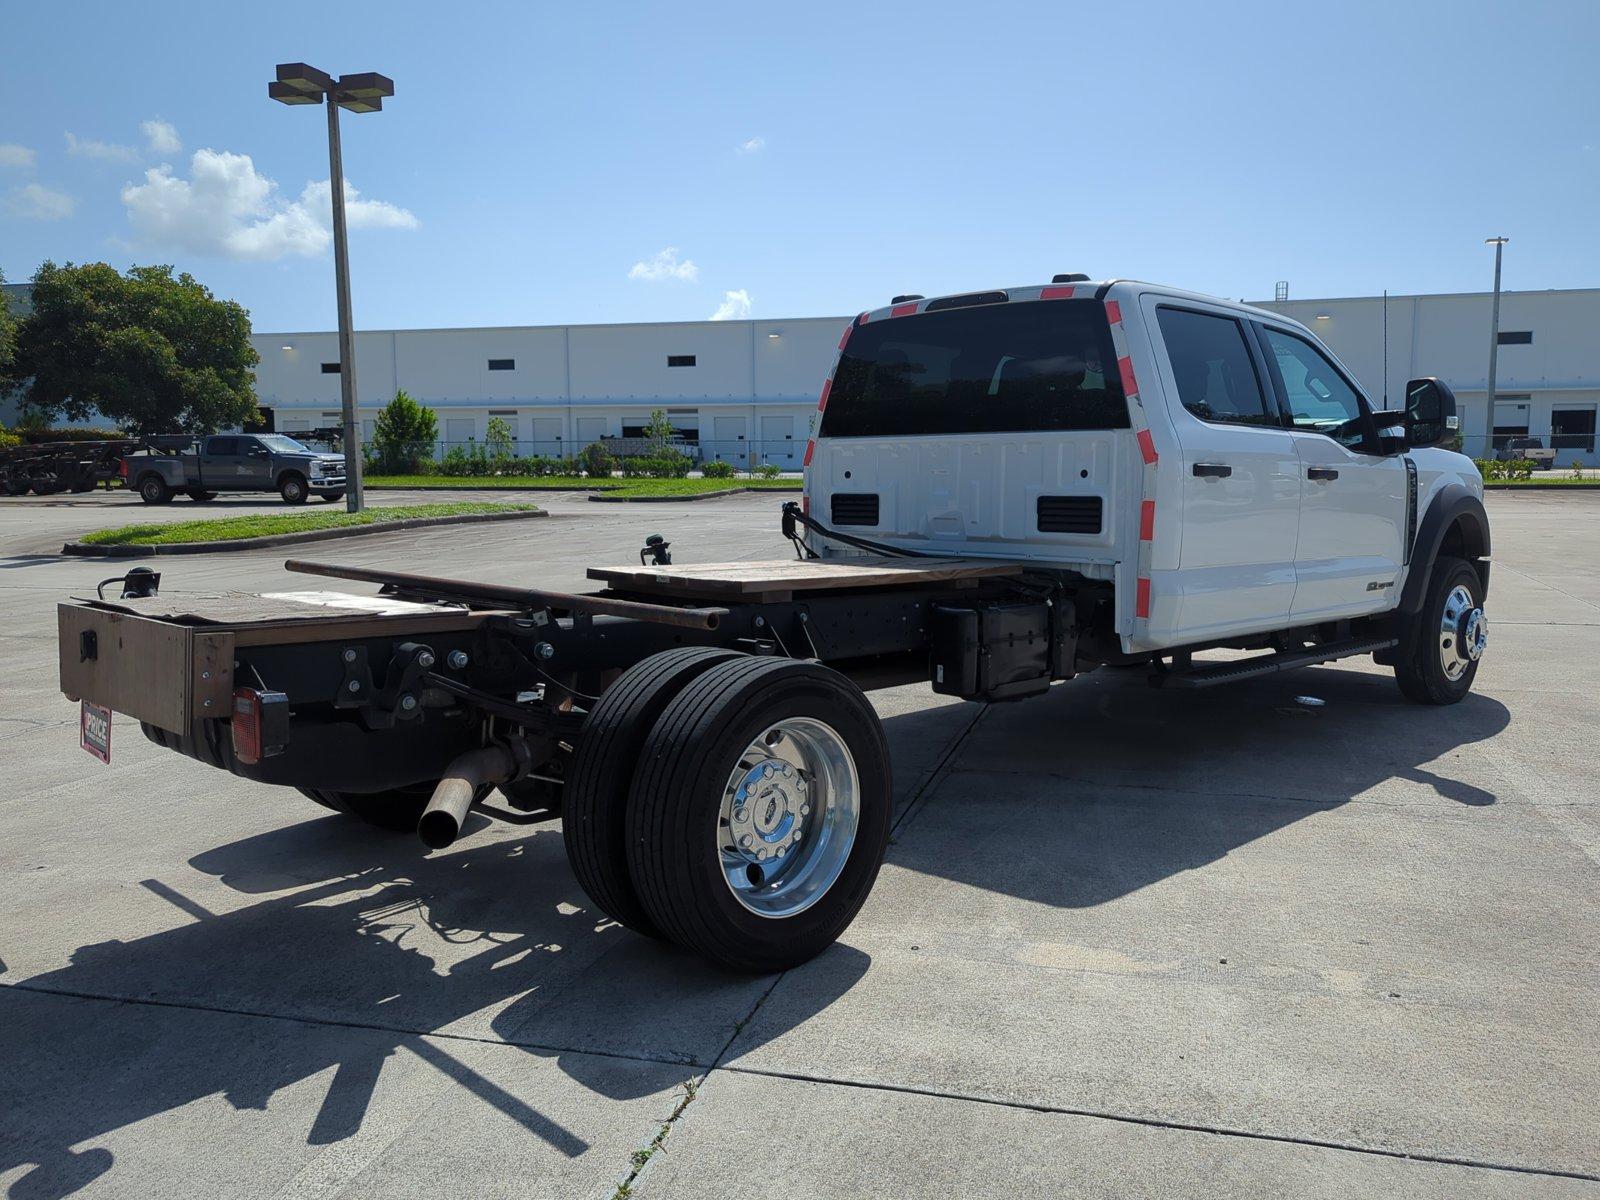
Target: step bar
1269	664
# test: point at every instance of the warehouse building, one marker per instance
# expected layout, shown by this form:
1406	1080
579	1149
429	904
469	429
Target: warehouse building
739	391
744	391
1547	376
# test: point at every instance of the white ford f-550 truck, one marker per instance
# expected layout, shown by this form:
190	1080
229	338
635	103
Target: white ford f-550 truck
1004	489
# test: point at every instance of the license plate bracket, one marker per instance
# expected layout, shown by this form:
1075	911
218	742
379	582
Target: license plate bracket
94	730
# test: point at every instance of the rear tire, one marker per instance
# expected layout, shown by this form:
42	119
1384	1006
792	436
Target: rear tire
293	489
594	808
200	497
154	490
1438	656
716	765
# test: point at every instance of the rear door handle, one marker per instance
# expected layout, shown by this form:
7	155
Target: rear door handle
1213	470
1323	473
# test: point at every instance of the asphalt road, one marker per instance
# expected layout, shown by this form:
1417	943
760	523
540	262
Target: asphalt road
1125	944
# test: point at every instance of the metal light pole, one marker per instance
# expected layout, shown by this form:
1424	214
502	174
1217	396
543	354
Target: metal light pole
1494	327
298	83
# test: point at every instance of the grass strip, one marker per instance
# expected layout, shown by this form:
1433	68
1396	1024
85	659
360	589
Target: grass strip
613	486
228	529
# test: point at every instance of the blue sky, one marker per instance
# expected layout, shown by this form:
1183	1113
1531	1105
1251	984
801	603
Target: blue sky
626	162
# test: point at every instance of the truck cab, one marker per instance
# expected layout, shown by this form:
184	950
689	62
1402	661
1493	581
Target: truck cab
1213	462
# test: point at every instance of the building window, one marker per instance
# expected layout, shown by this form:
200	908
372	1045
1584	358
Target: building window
1572	429
330	368
680	360
502	364
1516	337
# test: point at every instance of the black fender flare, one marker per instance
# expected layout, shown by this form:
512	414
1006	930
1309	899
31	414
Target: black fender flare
1454	506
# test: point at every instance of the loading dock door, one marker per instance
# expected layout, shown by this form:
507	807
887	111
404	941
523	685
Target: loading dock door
590	429
777	441
547	436
729	443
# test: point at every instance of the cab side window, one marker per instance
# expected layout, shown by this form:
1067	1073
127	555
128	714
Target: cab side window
1319	398
220	446
1216	376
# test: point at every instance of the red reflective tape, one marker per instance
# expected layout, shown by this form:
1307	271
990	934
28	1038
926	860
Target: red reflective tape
1141	599
845	337
1113	312
822	403
1147	521
903	310
1056	293
1147	447
811	445
1130	385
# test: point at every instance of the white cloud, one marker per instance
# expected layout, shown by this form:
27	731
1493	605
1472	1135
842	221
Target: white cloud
664	264
13	155
754	146
735	306
160	136
227	208
35	202
104	151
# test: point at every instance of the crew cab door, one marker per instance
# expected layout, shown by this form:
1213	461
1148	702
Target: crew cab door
220	460
1352	498
1240	473
255	464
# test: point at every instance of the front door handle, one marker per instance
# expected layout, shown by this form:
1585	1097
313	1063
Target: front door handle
1213	470
1323	473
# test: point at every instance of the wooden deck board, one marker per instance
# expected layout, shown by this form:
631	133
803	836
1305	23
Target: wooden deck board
749	579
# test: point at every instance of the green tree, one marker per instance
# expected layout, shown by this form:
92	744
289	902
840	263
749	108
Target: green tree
501	446
658	430
154	352
8	339
404	434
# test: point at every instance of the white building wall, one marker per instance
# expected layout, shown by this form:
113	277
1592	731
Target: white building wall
752	382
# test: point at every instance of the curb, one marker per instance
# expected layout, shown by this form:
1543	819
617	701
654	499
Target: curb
89	550
1542	487
606	498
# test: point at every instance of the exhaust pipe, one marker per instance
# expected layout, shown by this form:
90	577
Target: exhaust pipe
446	812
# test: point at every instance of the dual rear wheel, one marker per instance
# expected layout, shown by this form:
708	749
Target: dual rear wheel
738	806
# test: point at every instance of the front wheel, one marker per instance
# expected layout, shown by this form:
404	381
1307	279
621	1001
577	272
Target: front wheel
333	497
293	489
759	812
1438	655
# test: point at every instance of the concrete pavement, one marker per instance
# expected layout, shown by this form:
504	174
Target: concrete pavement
1126	943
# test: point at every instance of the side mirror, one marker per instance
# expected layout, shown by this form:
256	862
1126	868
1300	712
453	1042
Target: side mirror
1431	418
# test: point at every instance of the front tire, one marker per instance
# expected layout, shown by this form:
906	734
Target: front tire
333	497
293	489
1438	656
154	490
759	813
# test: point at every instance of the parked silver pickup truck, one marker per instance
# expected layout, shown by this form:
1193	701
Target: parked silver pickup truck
238	462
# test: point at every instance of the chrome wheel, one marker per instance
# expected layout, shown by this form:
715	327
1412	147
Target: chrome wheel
789	816
1463	633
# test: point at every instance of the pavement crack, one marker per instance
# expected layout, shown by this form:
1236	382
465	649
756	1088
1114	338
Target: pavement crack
940	769
1185	1126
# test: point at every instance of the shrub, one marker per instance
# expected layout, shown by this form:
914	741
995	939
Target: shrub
717	469
499	446
403	436
456	462
1577	468
667	465
767	471
596	461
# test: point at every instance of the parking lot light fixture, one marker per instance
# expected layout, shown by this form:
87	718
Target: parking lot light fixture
301	83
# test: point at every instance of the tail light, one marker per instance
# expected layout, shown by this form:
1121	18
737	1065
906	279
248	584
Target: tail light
122	469
260	723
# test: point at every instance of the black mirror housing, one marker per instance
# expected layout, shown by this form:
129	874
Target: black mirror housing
1430	417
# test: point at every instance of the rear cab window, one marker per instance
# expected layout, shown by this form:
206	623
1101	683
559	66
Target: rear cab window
1016	367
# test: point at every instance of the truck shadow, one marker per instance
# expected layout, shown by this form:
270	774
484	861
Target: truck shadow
346	949
1110	785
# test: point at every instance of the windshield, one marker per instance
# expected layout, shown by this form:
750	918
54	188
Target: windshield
1044	365
281	444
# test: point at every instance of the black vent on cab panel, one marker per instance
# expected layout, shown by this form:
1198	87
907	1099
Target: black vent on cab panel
1069	514
854	508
